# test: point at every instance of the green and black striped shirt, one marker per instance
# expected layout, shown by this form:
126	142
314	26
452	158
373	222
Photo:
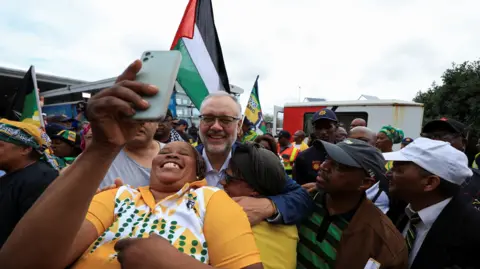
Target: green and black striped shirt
320	236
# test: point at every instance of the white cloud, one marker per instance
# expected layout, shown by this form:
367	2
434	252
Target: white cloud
337	50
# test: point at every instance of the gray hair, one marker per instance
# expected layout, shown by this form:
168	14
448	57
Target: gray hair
222	94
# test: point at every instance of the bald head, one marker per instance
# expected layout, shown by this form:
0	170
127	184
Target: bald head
364	134
299	136
341	134
226	99
358	122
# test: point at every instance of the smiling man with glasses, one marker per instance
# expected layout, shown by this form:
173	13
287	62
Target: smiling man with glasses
220	122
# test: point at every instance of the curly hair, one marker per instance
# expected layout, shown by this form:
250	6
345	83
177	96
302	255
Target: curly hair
200	163
270	140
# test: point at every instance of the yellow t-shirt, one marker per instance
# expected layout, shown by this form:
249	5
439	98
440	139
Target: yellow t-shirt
200	221
277	245
300	147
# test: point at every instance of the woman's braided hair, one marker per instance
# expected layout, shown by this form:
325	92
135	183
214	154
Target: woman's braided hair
200	163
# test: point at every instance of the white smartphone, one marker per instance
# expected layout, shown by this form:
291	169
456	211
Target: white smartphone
159	68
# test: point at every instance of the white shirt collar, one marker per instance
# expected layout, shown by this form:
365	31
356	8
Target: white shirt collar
209	165
429	214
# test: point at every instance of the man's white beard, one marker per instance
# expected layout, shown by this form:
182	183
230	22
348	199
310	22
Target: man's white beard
218	149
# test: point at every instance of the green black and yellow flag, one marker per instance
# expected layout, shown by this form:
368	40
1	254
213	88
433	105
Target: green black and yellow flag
253	111
26	103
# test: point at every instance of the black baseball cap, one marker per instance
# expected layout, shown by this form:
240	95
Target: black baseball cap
355	153
284	133
69	137
182	122
54	128
324	114
407	140
444	124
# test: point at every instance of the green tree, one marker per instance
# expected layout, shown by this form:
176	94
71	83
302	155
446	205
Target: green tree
268	117
458	97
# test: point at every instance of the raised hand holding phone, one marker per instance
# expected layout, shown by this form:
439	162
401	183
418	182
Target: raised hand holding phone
110	111
159	68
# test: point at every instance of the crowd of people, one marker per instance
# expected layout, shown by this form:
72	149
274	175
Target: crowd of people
111	192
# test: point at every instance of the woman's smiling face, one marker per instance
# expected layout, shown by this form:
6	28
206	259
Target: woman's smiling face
173	167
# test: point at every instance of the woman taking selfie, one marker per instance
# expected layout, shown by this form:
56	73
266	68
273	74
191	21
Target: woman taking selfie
175	222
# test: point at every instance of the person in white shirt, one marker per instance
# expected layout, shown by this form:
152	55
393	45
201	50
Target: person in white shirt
220	120
376	193
440	229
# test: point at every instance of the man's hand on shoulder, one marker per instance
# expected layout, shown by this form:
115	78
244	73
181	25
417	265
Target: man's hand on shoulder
257	209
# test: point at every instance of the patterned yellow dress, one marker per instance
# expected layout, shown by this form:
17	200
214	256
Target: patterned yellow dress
200	221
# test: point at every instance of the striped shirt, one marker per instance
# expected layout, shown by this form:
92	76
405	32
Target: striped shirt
320	236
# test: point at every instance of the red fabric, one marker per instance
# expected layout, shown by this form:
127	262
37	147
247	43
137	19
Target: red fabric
84	132
187	26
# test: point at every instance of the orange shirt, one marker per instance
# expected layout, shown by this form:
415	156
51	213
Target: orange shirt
200	221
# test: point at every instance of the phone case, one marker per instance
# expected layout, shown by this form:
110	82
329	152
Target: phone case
159	68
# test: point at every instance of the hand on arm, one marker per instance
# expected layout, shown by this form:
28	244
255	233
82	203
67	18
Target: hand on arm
287	208
257	209
310	187
117	184
227	248
294	204
142	253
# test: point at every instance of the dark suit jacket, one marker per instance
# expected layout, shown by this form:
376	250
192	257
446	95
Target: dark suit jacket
453	239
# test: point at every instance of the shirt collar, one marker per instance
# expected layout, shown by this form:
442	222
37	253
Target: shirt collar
429	214
209	165
150	199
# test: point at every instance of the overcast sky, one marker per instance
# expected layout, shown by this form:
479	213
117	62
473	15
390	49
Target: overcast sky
332	49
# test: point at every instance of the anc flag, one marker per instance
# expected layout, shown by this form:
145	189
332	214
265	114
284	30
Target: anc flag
253	111
26	103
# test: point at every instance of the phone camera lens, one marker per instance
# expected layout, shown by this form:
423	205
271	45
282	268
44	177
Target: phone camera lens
147	54
145	59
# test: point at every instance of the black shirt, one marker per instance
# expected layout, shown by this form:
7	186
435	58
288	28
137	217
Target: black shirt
307	165
19	191
471	190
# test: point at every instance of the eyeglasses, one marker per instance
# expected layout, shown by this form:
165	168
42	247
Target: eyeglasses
230	178
225	121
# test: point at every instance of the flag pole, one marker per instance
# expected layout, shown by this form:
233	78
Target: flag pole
37	96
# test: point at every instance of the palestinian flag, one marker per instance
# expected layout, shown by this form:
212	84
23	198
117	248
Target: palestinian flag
202	70
26	103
